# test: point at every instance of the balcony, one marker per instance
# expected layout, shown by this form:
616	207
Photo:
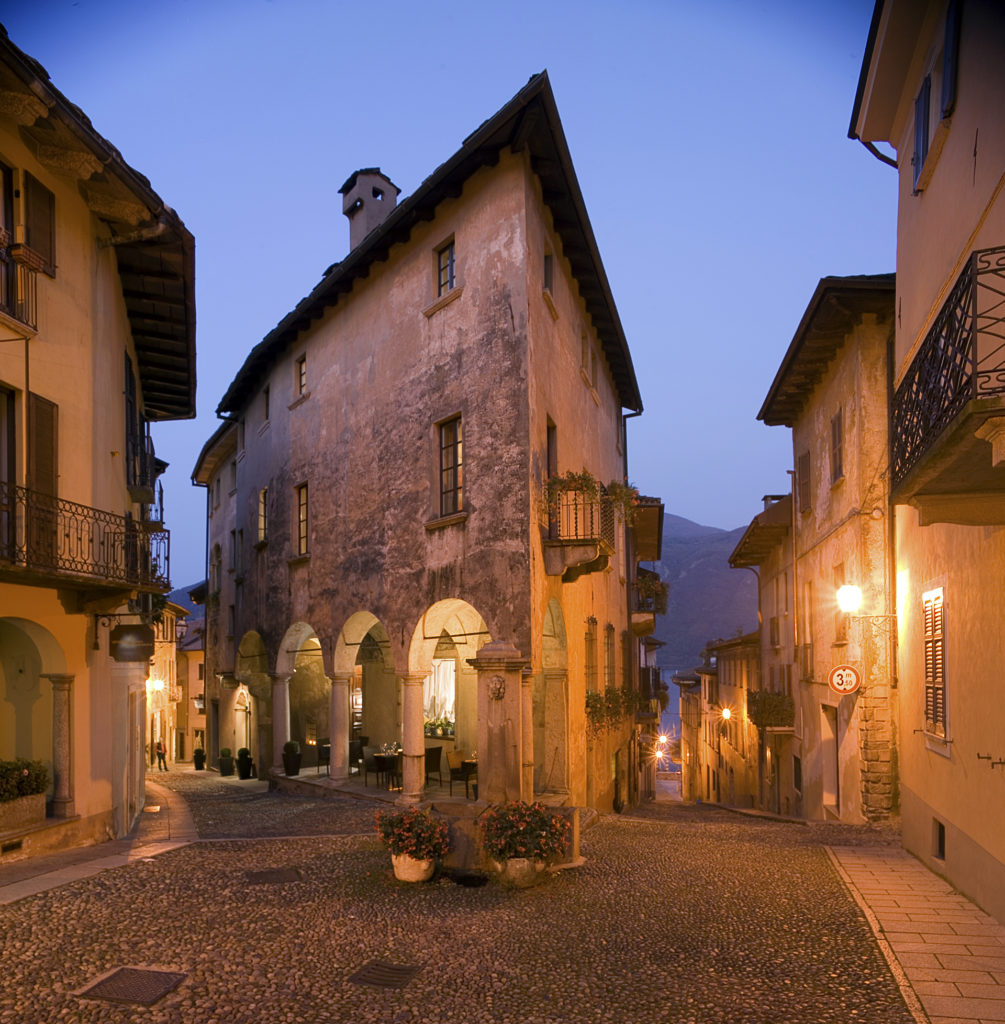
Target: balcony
46	541
951	404
580	536
649	599
18	288
769	710
141	468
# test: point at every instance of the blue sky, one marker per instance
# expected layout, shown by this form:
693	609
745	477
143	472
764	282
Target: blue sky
710	142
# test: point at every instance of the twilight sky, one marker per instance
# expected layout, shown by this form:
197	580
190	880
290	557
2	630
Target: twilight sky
710	142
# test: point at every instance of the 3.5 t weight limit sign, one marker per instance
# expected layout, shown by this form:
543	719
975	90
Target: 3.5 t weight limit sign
844	679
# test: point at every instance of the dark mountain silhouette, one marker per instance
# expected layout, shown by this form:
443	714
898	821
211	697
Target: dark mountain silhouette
707	598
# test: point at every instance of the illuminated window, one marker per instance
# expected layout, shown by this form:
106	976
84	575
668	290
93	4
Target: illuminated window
451	467
263	515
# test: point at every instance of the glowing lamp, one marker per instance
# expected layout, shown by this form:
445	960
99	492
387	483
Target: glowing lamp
849	598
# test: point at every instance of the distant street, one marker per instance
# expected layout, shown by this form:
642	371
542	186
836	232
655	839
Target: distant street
681	915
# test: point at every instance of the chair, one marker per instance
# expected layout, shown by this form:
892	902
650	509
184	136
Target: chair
458	770
369	763
433	764
324	756
355	756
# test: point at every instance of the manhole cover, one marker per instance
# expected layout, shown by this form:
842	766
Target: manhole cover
134	985
384	975
272	876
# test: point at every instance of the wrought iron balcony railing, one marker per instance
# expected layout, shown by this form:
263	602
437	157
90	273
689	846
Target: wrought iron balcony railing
51	536
577	516
961	359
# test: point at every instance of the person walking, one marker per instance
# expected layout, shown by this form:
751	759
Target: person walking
161	756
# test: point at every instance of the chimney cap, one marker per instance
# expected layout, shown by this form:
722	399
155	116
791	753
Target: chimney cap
351	180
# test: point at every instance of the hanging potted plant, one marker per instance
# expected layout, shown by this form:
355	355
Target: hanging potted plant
416	840
291	757
521	839
226	761
199	759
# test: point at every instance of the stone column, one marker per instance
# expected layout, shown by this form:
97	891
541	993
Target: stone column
504	745
280	719
62	759
338	726
556	732
413	739
527	734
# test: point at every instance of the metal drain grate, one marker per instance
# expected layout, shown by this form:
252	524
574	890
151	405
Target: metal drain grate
384	975
134	985
272	876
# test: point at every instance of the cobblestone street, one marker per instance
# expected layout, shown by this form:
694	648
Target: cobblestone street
686	915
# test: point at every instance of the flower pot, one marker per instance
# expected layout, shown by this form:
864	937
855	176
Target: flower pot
200	763
245	768
22	812
291	763
519	872
226	766
408	869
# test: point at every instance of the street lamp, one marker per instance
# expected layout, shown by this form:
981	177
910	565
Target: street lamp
849	600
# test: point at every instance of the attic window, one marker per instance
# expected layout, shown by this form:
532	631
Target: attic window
378	193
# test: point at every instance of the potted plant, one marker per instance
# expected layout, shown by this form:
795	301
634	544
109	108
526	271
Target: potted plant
245	766
226	762
416	841
291	757
521	839
199	759
22	793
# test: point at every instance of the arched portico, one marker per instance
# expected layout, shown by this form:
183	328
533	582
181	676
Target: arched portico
440	681
36	694
300	694
252	702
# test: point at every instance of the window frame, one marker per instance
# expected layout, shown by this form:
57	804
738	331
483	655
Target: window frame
263	515
300	375
302	519
450	476
837	446
804	493
590	655
40	238
933	628
445	263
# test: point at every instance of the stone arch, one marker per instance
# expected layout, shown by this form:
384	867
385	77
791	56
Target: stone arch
364	663
452	629
300	659
29	654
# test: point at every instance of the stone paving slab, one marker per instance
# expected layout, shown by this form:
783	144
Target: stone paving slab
950	952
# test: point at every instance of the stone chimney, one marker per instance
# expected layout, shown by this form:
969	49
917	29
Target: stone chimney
367	199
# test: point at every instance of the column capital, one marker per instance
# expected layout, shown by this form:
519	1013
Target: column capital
58	678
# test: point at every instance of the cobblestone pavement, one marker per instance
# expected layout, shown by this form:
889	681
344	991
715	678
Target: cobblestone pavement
691	917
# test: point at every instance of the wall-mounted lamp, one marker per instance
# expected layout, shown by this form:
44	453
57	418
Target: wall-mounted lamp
849	600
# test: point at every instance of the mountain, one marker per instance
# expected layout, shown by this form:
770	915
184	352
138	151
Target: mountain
707	599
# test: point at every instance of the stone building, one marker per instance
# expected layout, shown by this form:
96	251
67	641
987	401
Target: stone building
831	391
97	342
766	546
930	87
387	557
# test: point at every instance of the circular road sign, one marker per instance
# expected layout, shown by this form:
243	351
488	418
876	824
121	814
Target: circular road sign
844	679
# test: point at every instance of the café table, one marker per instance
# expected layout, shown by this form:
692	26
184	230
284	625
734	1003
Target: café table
388	765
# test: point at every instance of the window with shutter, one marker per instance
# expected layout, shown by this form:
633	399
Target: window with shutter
42	518
837	445
921	108
40	222
933	612
590	661
803	481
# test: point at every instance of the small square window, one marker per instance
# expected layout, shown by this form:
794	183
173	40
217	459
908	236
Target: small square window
445	269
